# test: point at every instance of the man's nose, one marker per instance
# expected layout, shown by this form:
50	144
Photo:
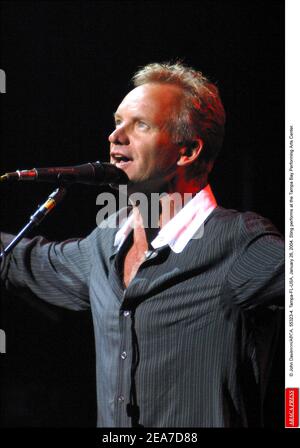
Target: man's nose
119	136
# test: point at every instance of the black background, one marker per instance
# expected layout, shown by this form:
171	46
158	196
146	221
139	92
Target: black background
68	65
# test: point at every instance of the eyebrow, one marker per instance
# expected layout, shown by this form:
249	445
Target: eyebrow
135	117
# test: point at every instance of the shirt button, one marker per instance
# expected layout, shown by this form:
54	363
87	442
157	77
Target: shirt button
154	254
126	313
121	398
124	355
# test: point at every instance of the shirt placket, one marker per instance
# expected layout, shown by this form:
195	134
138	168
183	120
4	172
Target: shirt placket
122	397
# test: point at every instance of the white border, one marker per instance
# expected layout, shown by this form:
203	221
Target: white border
292	72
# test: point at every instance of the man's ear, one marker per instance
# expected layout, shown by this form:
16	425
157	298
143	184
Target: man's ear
190	152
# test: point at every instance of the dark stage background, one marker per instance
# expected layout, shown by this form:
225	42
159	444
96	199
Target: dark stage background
68	65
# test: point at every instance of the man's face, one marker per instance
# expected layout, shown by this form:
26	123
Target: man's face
140	144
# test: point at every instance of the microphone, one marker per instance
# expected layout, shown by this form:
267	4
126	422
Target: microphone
92	173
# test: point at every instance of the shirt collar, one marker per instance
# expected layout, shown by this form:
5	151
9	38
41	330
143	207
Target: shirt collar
185	225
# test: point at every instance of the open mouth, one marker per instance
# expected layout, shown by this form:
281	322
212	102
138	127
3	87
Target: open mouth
120	160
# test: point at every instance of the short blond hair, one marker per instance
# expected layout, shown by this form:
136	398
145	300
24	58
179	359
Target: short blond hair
201	113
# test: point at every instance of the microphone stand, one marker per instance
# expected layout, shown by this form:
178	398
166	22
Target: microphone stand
55	198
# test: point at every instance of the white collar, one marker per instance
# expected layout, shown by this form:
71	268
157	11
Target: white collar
185	225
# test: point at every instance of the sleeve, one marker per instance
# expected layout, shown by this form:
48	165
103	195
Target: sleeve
256	276
55	272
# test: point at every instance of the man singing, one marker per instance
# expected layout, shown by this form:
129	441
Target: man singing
185	321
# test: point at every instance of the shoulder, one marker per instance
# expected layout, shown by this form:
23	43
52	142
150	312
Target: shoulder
242	223
235	230
103	236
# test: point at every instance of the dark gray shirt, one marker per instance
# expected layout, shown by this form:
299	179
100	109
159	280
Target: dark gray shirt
189	343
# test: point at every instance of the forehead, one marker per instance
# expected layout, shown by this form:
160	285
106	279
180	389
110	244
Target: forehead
153	100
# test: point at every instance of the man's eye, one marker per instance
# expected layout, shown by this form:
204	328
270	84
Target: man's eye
117	122
142	124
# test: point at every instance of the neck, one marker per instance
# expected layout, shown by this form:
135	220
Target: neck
182	186
166	204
